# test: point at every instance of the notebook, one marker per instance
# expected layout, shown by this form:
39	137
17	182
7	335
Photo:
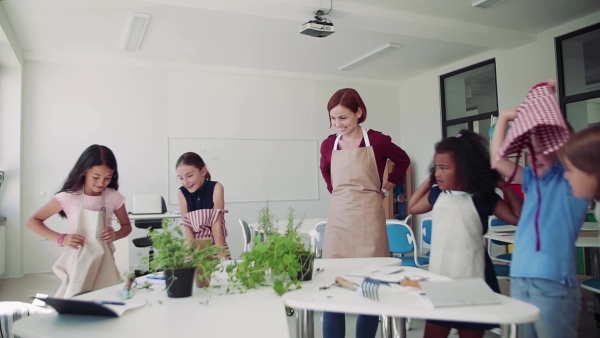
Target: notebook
460	292
90	308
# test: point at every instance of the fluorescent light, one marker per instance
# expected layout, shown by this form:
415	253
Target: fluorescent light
485	3
370	56
137	28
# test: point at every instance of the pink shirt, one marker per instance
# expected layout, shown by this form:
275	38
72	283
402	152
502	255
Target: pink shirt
113	200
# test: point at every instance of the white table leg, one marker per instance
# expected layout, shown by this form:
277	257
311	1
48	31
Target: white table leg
305	326
508	331
393	327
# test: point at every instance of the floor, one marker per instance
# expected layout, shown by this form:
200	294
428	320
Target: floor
22	289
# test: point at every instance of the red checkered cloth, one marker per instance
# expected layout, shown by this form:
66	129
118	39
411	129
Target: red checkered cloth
538	116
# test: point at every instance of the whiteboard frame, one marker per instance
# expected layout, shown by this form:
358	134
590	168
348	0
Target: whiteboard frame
170	166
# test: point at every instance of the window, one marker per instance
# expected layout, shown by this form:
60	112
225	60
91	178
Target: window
578	63
469	99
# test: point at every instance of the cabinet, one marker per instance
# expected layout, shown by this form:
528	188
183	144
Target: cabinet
396	204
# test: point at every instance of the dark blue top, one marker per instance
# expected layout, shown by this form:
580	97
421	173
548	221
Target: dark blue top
201	198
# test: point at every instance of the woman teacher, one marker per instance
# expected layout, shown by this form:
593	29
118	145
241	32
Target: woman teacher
352	164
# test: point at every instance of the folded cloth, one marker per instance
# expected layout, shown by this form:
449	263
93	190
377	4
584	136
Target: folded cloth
540	116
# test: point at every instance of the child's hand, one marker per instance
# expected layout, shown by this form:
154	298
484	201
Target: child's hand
108	235
508	115
73	241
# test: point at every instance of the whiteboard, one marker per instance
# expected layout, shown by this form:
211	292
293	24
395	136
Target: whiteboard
252	170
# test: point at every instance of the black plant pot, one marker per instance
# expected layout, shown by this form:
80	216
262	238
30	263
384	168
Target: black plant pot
183	283
306	272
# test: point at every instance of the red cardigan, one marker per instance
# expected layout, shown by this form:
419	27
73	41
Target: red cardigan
383	148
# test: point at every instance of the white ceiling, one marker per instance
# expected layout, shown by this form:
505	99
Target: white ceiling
263	34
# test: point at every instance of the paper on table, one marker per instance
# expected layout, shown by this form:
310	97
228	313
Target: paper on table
152	278
120	309
376	271
460	292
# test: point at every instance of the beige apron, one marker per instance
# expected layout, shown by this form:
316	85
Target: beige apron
356	220
457	249
92	266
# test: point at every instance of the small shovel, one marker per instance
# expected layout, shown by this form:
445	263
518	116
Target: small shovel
369	287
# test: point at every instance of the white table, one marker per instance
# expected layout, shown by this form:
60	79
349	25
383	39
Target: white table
393	304
258	313
582	241
587	226
590	226
170	214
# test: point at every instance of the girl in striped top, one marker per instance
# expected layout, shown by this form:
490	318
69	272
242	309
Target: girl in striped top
202	202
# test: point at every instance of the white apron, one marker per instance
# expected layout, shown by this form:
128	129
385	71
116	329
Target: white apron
356	221
92	266
457	249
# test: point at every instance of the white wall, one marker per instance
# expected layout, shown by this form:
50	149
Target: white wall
10	163
133	110
517	70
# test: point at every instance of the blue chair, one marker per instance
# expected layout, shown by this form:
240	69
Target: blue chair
506	257
402	242
592	285
426	225
502	271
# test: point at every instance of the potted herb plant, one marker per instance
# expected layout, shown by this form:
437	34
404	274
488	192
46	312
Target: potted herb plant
281	256
181	260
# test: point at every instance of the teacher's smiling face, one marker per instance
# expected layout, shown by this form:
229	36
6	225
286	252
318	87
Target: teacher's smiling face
191	177
344	119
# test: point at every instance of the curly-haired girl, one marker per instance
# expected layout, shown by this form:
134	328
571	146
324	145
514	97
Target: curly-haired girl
461	192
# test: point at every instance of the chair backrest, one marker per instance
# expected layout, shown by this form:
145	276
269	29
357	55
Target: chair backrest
426	225
401	238
247	235
154	223
320	229
495	221
408	219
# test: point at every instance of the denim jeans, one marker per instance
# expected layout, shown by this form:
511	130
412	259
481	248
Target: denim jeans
559	306
334	325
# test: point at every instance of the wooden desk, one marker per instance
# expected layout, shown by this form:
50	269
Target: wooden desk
257	313
394	306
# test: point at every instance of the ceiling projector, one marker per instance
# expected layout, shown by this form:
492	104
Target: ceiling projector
320	27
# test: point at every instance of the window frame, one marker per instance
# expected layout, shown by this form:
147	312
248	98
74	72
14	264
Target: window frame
564	99
467	119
